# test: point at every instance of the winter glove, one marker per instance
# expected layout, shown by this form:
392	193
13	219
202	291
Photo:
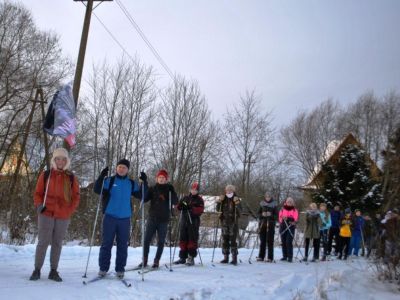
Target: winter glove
143	176
220	199
40	208
104	172
183	205
236	200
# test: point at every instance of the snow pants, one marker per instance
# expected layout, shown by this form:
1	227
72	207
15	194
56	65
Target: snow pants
153	227
117	229
267	233
188	236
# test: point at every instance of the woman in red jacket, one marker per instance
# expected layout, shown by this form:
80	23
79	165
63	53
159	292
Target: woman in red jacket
56	199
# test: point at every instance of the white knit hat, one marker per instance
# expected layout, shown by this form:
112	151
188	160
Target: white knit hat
60	152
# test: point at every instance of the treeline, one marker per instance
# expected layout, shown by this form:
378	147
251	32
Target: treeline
124	112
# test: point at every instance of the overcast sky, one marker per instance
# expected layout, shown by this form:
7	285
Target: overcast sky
294	53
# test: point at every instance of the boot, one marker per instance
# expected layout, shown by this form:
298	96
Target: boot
144	263
102	273
305	258
259	259
156	263
190	261
283	258
53	275
35	275
290	259
120	275
234	259
180	261
225	260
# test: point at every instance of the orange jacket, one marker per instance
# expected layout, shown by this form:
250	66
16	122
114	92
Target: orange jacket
62	199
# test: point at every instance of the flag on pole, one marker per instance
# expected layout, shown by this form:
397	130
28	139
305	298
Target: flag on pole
60	119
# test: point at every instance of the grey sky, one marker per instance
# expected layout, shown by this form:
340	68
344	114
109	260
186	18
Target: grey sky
294	53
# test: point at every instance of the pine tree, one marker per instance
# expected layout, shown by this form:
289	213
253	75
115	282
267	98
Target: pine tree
391	181
349	182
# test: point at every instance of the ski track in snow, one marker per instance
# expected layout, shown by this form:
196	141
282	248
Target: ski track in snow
281	280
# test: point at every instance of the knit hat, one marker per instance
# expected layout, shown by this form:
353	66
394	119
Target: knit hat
347	211
60	152
195	186
162	172
124	162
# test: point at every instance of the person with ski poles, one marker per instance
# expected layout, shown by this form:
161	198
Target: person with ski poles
357	234
346	227
288	217
116	192
191	208
267	216
326	224
163	200
336	216
312	231
56	198
229	209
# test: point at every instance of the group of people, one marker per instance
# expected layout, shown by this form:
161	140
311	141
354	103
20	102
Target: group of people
57	196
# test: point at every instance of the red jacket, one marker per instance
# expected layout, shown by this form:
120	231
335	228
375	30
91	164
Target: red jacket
62	195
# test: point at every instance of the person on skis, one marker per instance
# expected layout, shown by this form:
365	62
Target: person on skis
191	208
288	217
163	199
229	208
312	231
116	192
267	216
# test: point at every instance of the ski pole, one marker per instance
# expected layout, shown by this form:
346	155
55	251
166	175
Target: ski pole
255	243
94	227
177	234
193	234
170	234
142	205
135	217
215	237
295	242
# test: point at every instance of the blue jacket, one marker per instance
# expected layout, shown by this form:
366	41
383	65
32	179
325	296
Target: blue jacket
358	225
117	203
335	218
326	221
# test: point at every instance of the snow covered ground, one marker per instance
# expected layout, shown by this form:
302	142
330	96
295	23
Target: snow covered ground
324	280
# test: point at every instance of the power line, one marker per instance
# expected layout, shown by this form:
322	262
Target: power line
145	39
112	36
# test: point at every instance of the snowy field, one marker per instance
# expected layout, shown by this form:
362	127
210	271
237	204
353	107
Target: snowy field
281	280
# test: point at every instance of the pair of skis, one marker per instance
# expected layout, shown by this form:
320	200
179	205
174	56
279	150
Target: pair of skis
98	278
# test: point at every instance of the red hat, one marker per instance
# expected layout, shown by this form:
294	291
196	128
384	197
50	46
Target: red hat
195	186
162	172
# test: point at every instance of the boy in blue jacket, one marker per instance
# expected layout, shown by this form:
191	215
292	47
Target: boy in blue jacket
117	191
357	235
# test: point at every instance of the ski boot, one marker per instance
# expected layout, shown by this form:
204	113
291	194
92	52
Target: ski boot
225	260
35	275
53	275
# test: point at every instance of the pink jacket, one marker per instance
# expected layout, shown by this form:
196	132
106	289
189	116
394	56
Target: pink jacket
293	213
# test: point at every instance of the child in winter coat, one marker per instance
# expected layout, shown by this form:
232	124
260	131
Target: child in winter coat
191	208
326	224
313	226
117	191
346	224
56	199
288	217
162	199
229	208
357	235
336	215
268	215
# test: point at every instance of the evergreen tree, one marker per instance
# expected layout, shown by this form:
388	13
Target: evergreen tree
349	182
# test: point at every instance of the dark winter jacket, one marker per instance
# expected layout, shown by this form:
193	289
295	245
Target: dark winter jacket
313	224
158	195
268	212
230	212
194	204
358	225
335	218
